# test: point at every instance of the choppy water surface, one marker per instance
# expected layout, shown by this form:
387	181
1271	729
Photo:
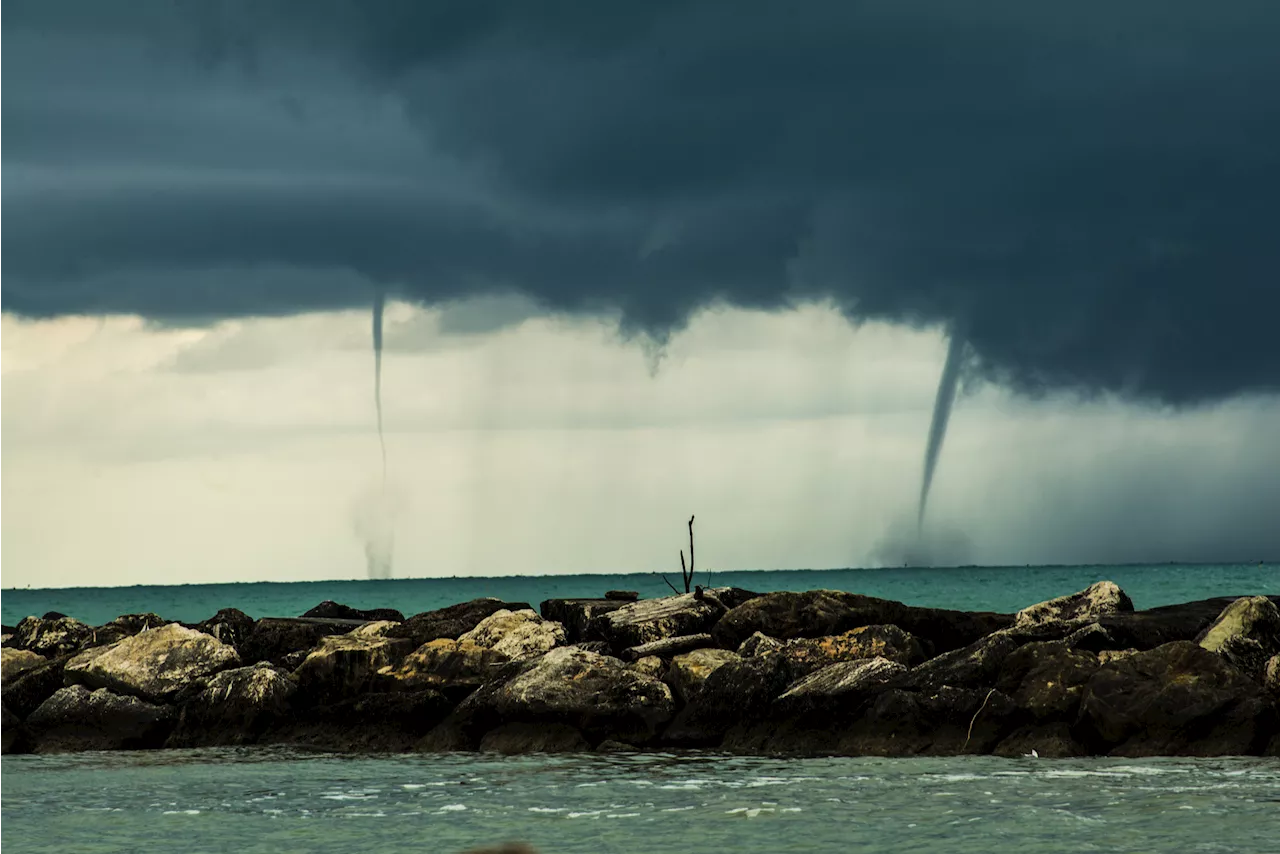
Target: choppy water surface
275	801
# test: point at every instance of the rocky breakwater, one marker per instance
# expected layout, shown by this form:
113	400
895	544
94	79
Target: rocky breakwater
818	672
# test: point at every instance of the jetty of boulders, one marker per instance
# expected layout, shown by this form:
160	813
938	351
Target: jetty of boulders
819	672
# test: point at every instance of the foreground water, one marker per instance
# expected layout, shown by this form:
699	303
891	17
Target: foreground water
973	588
276	802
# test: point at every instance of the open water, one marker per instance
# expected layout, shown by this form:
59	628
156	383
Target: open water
280	801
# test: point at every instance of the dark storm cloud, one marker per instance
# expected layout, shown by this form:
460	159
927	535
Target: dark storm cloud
1087	191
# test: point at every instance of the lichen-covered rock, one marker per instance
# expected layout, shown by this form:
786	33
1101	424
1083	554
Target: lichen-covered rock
229	625
1271	675
153	665
1096	600
576	614
1247	634
51	637
1175	700
596	694
452	622
649	620
819	613
275	639
75	718
342	666
1047	679
445	664
15	662
125	626
516	634
235	707
522	738
650	666
335	610
757	644
807	655
668	647
689	671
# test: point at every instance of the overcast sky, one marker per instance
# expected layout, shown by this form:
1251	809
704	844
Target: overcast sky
644	261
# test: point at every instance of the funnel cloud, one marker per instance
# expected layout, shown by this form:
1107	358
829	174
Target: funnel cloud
945	399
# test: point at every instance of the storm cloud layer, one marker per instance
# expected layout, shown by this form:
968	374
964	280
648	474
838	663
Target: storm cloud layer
1088	190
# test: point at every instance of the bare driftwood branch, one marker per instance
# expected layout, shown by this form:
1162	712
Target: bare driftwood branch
686	571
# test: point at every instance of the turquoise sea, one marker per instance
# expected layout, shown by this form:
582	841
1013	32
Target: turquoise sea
276	800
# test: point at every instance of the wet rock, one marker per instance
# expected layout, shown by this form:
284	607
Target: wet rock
576	615
807	655
75	718
1050	740
51	637
335	610
1047	679
235	707
1246	633
688	672
668	647
25	693
649	620
343	666
153	665
274	639
818	613
15	662
453	666
521	738
1096	600
452	622
736	692
516	634
379	722
1157	626
230	625
838	691
598	695
758	644
650	666
125	626
1175	700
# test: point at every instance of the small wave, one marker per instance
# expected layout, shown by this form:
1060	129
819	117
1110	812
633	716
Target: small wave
182	812
547	809
452	808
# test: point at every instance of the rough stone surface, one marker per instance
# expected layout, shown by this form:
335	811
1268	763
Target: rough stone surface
576	614
1155	627
75	718
974	666
447	665
125	626
1271	675
736	692
622	595
650	666
818	613
1096	600
343	666
336	610
229	625
1051	740
51	637
1175	700
1246	633
516	634
15	662
11	731
668	647
649	620
274	639
25	693
840	689
235	707
153	665
451	622
520	738
1047	679
378	722
689	671
757	644
807	655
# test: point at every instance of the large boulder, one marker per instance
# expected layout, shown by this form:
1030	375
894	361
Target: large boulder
1246	633
819	613
15	662
576	615
838	691
51	636
516	634
452	666
229	625
11	731
1047	679
1271	675
1175	700
668	647
75	719
125	626
737	692
377	722
279	639
343	666
1099	599
649	620
153	665
807	655
977	665
595	694
1155	627
235	707
452	622
25	693
689	671
335	610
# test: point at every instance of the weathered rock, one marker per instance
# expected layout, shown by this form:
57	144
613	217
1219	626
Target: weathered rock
757	644
335	610
153	665
689	671
516	634
521	738
376	722
235	707
1109	655
75	718
622	595
447	665
648	620
668	647
1050	740
737	692
274	639
24	694
125	626
230	625
1271	675
1246	633
1175	700
807	655
11	732
15	662
1096	600
51	637
451	622
1157	626
343	666
838	691
650	666
817	613
598	647
974	666
576	615
598	695
1047	679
